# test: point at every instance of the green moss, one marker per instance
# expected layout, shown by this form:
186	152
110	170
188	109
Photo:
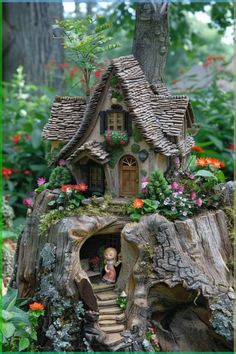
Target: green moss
135	148
137	135
54	216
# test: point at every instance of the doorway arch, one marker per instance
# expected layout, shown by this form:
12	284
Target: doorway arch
128	176
92	250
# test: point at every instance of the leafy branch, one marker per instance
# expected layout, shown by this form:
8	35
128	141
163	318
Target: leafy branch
85	39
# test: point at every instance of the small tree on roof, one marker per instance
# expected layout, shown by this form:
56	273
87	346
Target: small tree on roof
85	39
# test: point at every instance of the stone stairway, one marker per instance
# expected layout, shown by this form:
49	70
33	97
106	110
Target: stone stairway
111	316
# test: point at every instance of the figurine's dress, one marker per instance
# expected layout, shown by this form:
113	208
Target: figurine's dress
110	276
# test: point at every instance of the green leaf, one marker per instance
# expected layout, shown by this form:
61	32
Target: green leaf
204	173
36	138
9	299
135	216
6	315
220	176
24	343
8	329
52	202
217	142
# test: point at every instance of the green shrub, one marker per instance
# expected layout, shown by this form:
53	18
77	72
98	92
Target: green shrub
158	188
59	176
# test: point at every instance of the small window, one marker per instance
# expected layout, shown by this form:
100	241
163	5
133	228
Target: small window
115	121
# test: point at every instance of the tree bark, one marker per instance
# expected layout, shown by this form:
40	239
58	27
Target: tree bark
175	275
28	41
151	39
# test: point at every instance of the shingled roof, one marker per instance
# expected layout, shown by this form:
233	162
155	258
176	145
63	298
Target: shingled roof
66	117
93	149
155	112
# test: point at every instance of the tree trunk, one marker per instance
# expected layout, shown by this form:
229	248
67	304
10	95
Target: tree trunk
175	275
151	39
28	41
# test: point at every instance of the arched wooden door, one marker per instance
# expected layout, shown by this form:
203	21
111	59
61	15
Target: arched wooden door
129	176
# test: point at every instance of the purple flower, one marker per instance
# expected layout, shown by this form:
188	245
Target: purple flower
177	161
175	186
41	181
62	162
198	202
28	202
191	176
31	194
193	196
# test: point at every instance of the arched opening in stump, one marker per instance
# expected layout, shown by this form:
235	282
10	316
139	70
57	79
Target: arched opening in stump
92	258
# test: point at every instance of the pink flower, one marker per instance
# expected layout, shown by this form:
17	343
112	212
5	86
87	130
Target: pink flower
62	162
175	186
198	202
193	196
41	181
28	202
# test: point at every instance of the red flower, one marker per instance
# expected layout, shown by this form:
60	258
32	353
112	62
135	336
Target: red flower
72	72
211	58
66	187
94	260
231	147
174	82
138	203
6	172
122	142
197	149
27	172
16	138
63	65
98	74
36	306
202	162
16	170
27	136
81	187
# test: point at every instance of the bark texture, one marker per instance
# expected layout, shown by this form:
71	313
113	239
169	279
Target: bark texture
174	273
151	39
28	41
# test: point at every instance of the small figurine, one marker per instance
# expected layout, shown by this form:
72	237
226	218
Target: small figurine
110	261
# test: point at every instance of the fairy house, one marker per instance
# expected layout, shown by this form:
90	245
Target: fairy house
128	129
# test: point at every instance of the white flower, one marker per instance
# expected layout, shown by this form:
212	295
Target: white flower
181	204
173	209
23	113
184	213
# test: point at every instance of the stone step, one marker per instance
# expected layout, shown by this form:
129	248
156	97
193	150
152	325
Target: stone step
116	317
106	303
108	295
107	322
97	288
110	310
113	328
113	339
